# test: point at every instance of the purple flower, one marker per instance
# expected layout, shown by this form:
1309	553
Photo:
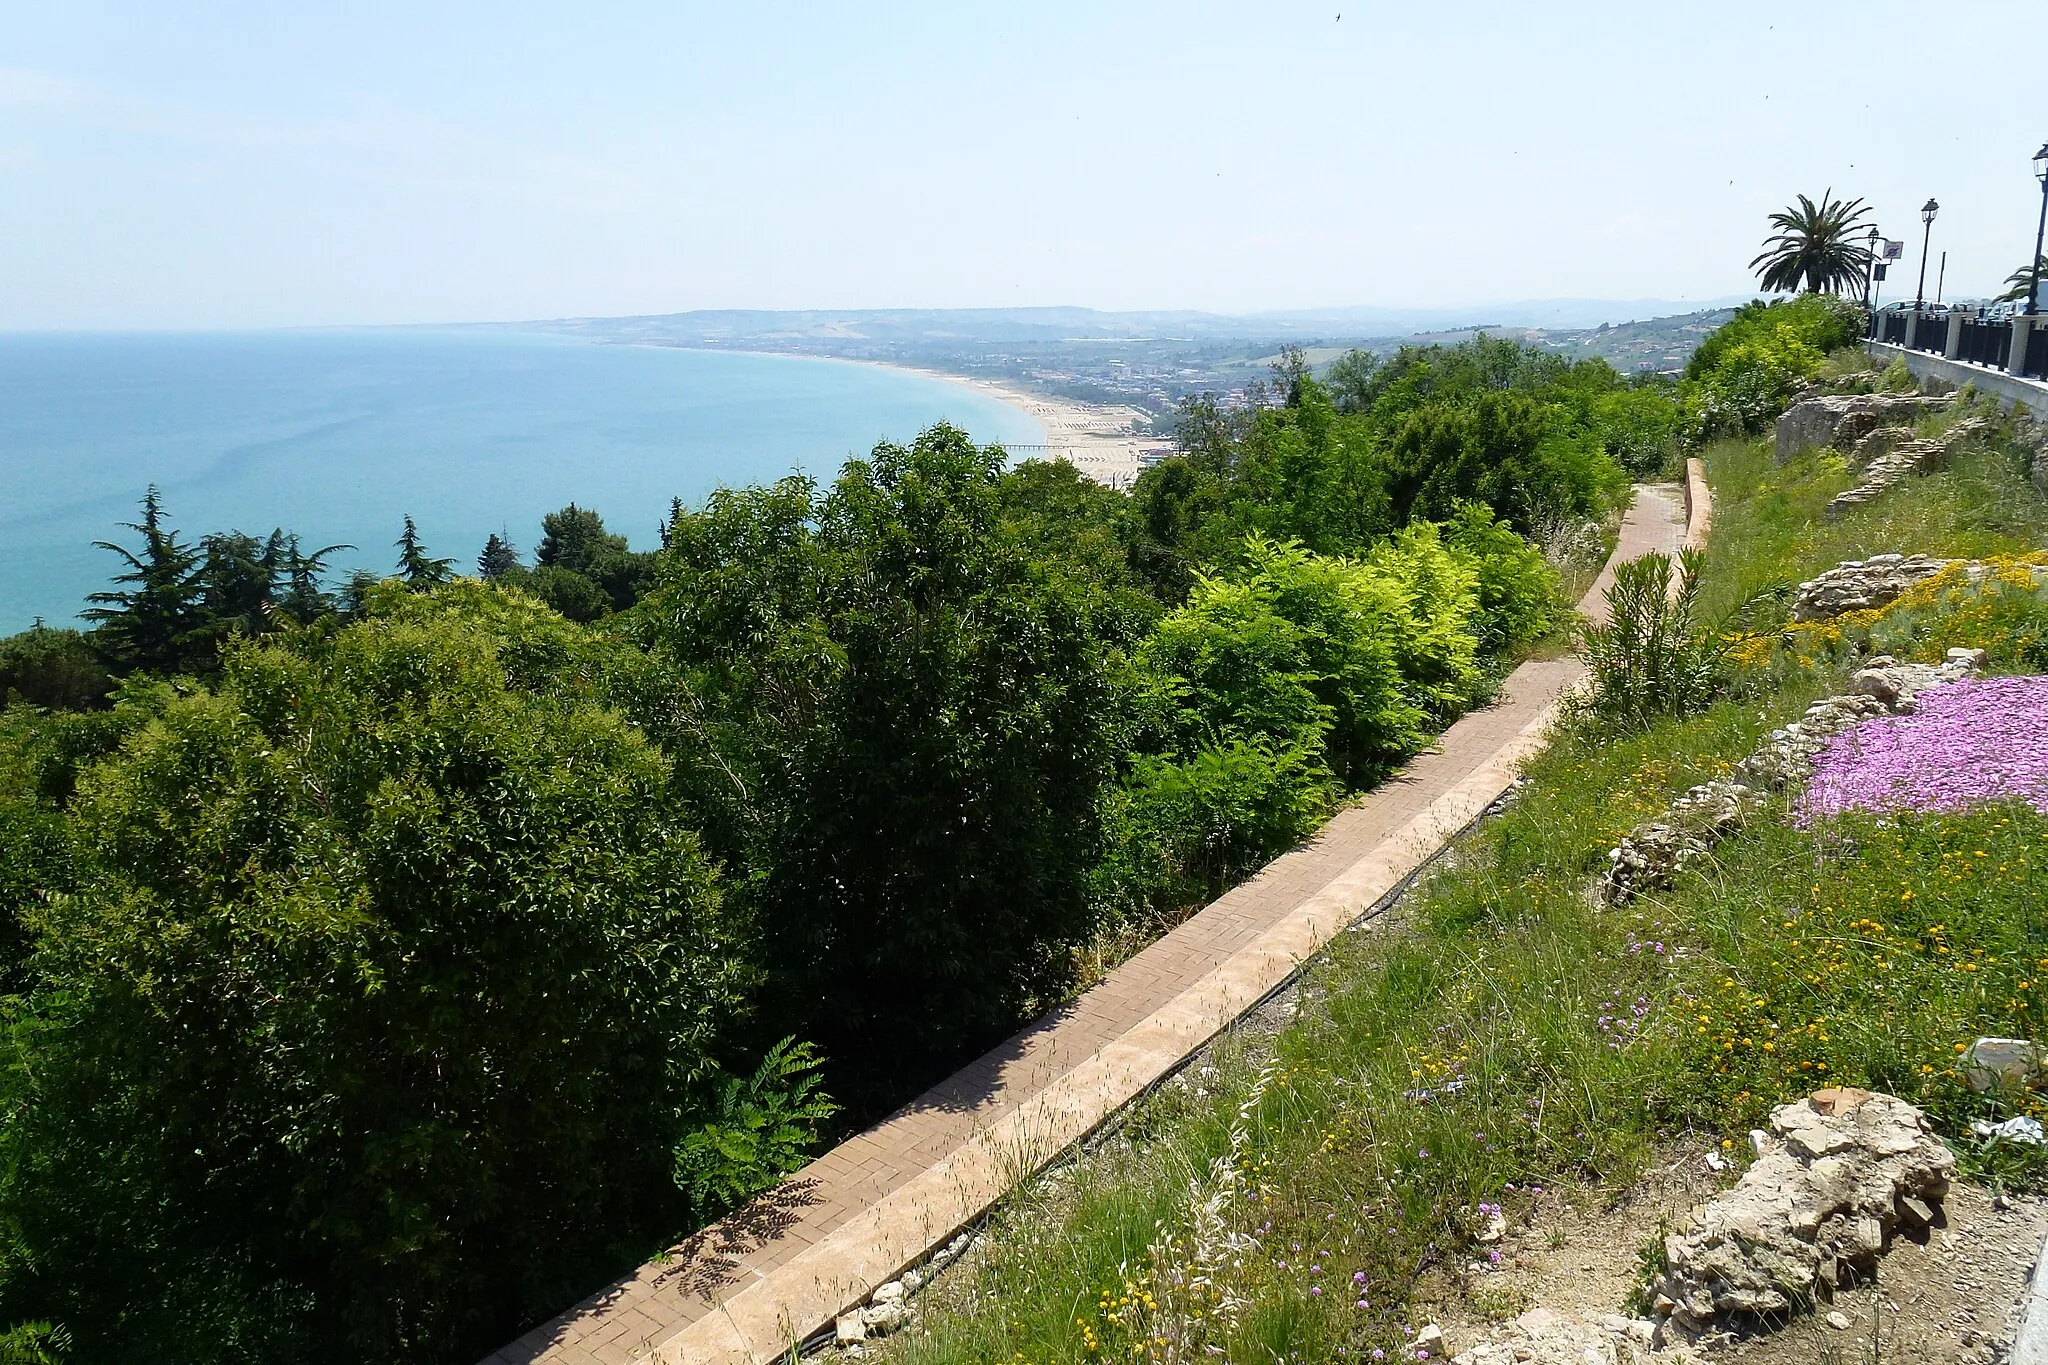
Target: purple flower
1358	1277
1980	739
1316	1290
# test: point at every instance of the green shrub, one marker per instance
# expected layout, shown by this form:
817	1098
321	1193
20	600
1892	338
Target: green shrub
573	594
1181	831
1742	375
392	947
1518	590
762	1128
58	669
1507	450
1653	660
1639	427
899	730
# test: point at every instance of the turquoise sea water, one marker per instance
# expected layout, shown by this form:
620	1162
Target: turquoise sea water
338	434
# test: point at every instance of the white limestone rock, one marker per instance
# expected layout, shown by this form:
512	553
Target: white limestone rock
1819	1206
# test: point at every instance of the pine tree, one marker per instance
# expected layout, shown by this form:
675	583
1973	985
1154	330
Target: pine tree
237	575
499	558
415	565
305	600
153	619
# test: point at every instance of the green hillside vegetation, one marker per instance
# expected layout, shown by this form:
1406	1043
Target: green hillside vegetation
1506	1043
388	965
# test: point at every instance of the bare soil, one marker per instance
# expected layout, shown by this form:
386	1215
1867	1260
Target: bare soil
1955	1298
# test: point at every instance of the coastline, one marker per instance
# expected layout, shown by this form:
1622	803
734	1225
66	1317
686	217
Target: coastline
1094	437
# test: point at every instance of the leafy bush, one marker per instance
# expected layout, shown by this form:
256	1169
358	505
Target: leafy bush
1182	830
1502	449
900	729
1291	678
53	668
1639	426
1653	660
390	949
1353	656
762	1128
1518	589
1742	375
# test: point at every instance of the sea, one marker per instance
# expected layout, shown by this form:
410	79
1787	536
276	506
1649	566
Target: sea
338	435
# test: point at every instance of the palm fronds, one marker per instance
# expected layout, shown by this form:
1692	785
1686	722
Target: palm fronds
1812	248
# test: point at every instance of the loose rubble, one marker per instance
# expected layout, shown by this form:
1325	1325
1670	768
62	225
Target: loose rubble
1907	457
1653	853
1841	1171
1840	420
889	1308
1544	1336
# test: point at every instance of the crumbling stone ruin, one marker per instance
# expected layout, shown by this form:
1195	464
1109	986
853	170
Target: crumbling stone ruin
1867	584
1842	419
1835	1177
1862	585
1891	455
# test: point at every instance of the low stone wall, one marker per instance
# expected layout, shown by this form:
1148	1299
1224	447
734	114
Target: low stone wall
2008	389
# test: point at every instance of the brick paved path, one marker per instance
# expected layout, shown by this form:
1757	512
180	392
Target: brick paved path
742	1291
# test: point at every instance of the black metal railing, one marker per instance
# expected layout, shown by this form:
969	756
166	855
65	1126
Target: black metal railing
2036	366
1894	333
1932	334
1985	343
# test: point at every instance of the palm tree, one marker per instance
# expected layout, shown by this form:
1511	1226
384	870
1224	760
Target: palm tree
1813	247
2020	281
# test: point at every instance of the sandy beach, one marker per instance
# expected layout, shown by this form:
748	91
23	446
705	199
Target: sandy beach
1096	438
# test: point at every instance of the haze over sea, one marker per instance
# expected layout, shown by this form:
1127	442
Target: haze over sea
338	434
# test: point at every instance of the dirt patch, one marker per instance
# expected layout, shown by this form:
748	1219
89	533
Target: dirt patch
1582	1253
1953	1299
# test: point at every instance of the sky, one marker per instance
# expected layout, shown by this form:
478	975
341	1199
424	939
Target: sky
215	165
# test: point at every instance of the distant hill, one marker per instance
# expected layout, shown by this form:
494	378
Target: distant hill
1151	361
1040	325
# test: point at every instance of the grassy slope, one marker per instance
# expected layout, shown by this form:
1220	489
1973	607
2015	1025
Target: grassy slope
1513	1039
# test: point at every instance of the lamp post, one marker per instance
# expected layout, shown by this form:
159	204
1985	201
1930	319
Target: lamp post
1870	264
1927	212
2040	174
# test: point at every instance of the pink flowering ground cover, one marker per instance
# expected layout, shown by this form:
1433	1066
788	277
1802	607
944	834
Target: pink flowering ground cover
1981	739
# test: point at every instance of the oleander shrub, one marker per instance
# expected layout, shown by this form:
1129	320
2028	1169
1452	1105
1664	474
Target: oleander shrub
1653	659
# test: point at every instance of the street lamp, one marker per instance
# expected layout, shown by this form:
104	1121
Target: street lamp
2040	174
1927	212
1870	263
